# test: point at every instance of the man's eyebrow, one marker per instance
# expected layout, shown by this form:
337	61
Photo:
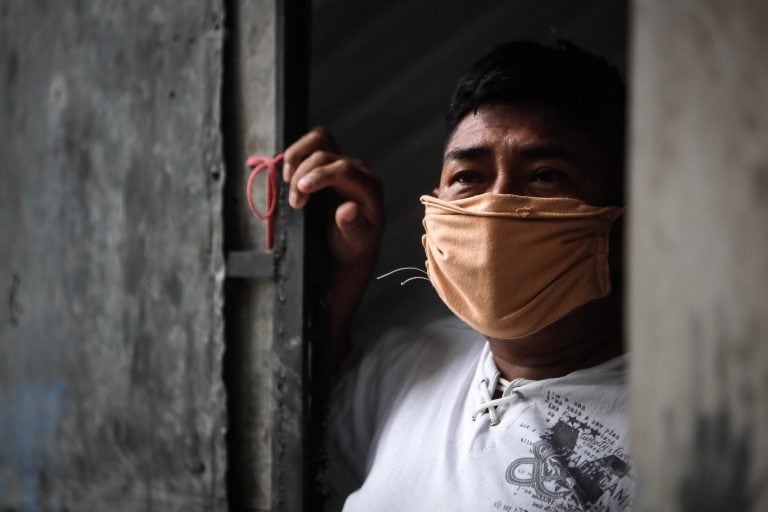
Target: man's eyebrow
469	153
533	151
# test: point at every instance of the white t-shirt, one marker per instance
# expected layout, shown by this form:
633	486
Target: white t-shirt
402	437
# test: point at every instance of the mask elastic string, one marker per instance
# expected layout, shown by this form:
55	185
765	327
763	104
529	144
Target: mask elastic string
413	278
257	164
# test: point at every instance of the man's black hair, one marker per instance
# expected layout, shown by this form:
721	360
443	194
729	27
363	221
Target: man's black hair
583	89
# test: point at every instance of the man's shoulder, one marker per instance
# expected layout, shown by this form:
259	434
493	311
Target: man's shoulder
404	356
372	388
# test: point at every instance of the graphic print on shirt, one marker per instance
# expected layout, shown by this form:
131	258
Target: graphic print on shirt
576	464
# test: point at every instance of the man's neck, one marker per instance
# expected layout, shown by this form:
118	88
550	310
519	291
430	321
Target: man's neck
586	337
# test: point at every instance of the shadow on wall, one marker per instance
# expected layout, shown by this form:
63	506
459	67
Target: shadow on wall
381	77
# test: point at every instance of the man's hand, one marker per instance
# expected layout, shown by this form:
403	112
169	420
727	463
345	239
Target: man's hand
314	163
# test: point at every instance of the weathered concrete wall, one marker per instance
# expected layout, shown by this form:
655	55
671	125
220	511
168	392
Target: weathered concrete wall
699	254
111	266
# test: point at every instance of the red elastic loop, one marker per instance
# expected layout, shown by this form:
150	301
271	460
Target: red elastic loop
258	164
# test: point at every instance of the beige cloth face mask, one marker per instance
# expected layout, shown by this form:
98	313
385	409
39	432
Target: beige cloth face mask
511	265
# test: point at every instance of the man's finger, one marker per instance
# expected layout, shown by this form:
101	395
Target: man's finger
317	139
346	215
317	160
351	183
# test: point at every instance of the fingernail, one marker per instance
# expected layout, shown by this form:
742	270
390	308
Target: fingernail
292	198
286	172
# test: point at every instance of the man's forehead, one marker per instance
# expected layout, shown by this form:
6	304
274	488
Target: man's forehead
506	123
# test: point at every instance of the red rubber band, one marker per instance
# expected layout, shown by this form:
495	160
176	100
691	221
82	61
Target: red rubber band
257	164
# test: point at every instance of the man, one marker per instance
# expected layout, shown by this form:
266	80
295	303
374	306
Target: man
519	407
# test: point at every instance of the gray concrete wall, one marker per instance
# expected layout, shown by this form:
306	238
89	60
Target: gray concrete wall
111	265
699	254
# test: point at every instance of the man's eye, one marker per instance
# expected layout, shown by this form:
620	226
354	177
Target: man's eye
549	176
465	177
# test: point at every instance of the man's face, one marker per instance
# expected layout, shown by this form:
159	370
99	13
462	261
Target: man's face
523	150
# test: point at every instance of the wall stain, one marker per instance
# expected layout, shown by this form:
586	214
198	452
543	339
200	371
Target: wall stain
11	69
11	76
15	309
760	183
141	358
718	476
173	288
138	187
750	119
